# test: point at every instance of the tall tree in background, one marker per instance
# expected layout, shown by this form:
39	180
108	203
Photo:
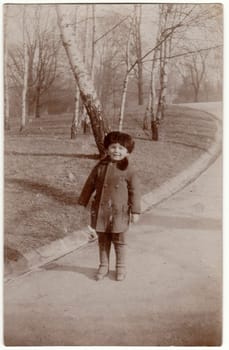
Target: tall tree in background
171	19
127	73
138	48
195	68
165	24
46	66
83	78
25	73
76	113
184	24
150	112
6	78
93	42
110	63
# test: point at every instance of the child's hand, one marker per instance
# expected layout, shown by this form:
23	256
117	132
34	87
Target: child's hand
135	218
92	235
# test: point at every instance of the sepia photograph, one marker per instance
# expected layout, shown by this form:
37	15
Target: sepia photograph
113	174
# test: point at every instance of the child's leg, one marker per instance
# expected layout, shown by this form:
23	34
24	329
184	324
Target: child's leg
104	240
119	240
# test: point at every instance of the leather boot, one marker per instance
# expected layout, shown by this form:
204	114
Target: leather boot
104	254
120	252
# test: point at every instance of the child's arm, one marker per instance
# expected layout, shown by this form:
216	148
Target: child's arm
88	189
134	218
134	197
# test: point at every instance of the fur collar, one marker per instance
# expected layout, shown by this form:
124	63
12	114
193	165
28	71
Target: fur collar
121	165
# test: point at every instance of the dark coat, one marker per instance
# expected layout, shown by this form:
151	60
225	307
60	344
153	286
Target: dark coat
117	194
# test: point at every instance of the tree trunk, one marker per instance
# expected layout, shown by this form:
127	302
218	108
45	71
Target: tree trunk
6	82
25	77
138	15
126	79
159	102
147	113
85	41
122	108
140	85
87	91
76	117
76	114
164	79
93	44
140	64
154	128
163	74
196	94
152	100
37	105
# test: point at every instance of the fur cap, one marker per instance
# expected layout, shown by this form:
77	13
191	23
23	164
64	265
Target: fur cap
119	137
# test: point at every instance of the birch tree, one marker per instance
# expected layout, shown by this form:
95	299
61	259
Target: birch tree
85	50
76	121
87	91
150	113
166	19
138	48
126	78
170	20
76	114
93	8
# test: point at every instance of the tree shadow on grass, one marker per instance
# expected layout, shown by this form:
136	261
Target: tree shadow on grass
89	272
69	198
73	155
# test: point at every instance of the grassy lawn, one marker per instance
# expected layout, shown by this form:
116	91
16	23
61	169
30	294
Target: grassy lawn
45	170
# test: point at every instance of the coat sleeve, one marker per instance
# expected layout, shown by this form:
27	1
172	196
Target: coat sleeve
88	188
134	193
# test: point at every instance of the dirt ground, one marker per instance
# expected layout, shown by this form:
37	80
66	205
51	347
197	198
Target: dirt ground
172	295
45	170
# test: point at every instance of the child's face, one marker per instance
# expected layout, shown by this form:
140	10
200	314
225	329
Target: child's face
117	152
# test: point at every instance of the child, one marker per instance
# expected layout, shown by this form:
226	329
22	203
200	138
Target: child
116	201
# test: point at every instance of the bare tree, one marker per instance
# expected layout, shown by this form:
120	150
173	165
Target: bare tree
171	20
86	87
93	8
138	48
45	67
196	71
167	19
76	114
191	57
150	112
25	73
6	77
126	78
106	44
80	114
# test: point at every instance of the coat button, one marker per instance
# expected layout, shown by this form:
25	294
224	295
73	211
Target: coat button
105	185
116	186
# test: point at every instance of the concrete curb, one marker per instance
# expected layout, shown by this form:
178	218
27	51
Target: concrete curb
44	254
78	239
188	175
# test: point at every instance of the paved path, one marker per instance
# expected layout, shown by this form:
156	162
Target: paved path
171	296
